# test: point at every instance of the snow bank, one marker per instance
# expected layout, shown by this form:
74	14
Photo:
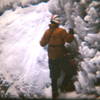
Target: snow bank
8	4
22	57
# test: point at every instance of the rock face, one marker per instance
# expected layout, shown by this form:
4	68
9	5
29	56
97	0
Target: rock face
84	17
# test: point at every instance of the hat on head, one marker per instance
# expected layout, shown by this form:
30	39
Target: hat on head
55	19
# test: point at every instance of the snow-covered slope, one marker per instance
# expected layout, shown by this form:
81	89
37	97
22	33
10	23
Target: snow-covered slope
21	56
13	4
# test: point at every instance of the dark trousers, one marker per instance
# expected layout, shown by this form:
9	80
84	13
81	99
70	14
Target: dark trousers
56	66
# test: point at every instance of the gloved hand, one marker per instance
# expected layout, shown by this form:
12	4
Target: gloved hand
67	45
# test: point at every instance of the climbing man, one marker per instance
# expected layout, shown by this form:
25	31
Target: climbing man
56	38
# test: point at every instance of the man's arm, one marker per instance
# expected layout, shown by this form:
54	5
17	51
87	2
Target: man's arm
68	38
45	39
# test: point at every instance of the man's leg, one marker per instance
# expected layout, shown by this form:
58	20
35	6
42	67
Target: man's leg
54	74
54	88
67	84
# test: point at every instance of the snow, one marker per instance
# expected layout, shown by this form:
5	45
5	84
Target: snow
13	4
69	95
22	56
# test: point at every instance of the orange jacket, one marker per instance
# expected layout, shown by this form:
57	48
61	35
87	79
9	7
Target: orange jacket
56	41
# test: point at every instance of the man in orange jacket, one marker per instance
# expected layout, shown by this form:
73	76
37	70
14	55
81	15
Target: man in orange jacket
56	38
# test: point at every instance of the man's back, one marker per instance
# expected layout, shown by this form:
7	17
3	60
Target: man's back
56	40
